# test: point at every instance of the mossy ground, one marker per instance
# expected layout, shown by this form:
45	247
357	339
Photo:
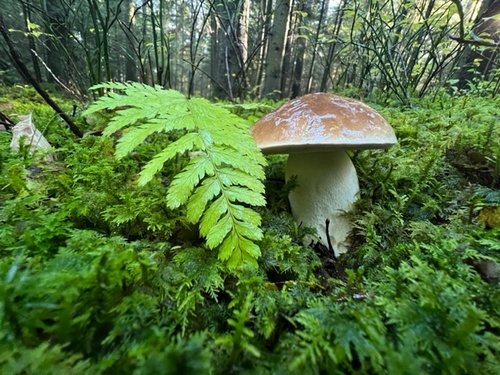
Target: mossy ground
98	276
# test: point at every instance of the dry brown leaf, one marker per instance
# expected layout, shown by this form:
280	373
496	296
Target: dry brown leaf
32	136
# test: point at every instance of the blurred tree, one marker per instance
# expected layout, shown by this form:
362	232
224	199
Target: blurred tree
303	16
57	39
229	48
480	55
274	59
233	49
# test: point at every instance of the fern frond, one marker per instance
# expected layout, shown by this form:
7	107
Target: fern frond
138	103
209	189
185	143
184	183
134	137
220	185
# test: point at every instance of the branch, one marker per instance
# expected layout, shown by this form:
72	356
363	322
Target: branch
462	39
24	71
69	90
6	122
476	42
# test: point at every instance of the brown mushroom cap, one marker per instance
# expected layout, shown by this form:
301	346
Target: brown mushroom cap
322	122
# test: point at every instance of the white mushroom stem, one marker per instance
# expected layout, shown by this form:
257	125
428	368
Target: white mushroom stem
327	188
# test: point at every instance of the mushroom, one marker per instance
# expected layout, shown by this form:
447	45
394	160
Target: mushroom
315	130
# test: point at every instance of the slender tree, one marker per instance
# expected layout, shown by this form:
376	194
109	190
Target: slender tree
303	15
480	53
329	61
31	42
261	44
57	36
127	25
201	18
322	13
274	58
228	49
222	59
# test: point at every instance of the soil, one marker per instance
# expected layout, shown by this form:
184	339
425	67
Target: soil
475	166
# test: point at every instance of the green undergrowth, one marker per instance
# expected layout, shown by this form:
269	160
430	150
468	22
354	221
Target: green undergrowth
107	265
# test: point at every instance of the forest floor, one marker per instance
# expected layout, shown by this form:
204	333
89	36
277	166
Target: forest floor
99	273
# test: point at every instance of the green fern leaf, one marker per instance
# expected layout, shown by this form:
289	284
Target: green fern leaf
230	176
120	121
186	142
220	185
134	137
183	185
218	232
209	189
243	195
232	251
213	214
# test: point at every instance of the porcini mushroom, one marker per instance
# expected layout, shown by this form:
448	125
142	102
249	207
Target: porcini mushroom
315	130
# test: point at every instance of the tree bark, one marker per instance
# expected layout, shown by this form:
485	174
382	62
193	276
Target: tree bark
227	54
128	18
222	58
287	66
262	46
57	37
274	58
300	48
479	61
331	50
243	30
242	44
323	12
31	43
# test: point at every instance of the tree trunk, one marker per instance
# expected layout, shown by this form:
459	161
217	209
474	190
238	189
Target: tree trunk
339	14
287	66
242	44
274	58
31	43
195	38
243	30
300	47
479	61
262	47
322	13
222	56
229	50
128	18
55	28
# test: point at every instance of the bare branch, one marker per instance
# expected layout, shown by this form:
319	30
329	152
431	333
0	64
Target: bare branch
24	71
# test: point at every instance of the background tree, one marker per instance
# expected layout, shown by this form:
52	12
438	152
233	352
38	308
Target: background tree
303	14
128	46
57	39
228	50
275	51
31	42
333	40
231	49
480	56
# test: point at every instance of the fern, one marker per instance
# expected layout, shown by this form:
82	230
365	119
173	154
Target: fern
218	186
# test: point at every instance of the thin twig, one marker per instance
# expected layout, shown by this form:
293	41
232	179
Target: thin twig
5	121
24	71
330	246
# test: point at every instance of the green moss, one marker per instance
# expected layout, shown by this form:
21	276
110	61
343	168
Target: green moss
99	275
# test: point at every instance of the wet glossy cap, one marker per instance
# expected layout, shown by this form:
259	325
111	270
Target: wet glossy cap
322	122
